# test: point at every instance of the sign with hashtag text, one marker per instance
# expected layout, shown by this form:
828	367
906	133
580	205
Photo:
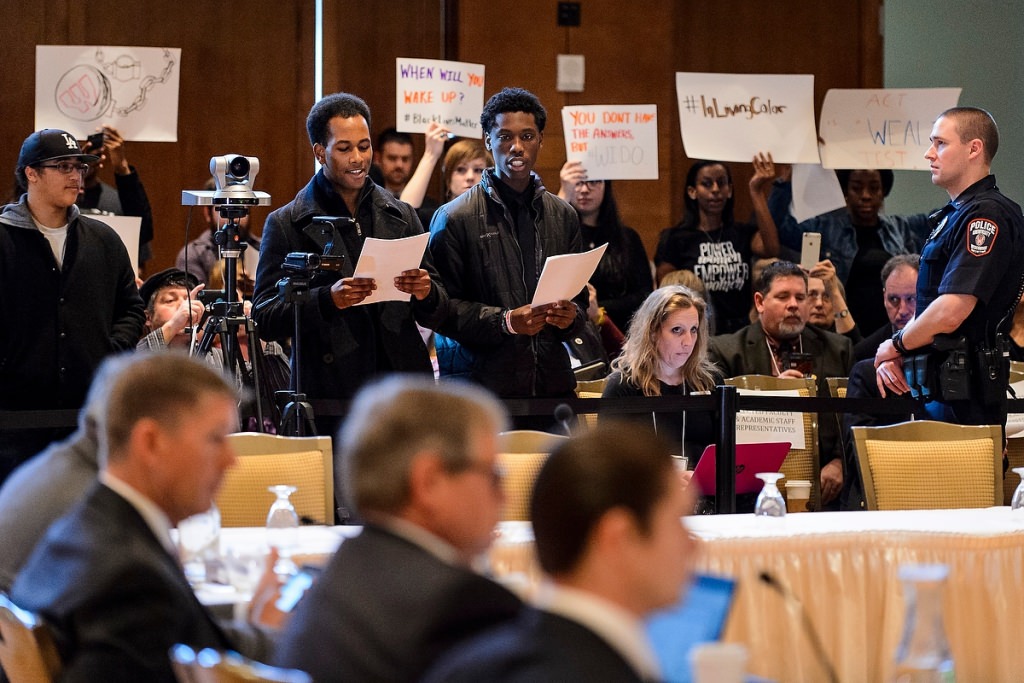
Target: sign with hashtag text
613	142
732	117
450	93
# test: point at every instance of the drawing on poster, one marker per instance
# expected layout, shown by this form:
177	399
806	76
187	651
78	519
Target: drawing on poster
112	86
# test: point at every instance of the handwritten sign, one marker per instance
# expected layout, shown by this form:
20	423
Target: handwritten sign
770	426
134	89
881	128
731	117
450	93
614	142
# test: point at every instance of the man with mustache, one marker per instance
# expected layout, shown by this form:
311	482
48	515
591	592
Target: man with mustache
764	347
489	246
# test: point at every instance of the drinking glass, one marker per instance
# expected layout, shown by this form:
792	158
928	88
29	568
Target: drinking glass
770	502
283	528
199	544
1017	502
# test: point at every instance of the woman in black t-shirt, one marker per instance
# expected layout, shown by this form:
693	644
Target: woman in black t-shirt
713	245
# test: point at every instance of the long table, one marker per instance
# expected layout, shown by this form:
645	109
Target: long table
843	567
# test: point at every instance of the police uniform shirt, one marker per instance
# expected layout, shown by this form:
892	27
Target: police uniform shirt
977	248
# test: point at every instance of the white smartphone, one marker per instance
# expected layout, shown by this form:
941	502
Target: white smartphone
810	254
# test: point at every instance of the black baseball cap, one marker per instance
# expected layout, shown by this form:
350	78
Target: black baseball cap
49	144
165	278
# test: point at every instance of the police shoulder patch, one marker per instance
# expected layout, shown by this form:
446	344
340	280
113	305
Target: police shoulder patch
981	235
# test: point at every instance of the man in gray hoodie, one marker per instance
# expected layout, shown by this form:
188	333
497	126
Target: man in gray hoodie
69	293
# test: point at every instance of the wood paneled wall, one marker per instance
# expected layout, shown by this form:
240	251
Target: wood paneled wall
247	73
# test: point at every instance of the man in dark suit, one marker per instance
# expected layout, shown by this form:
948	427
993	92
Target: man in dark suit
606	511
420	467
899	295
106	577
768	347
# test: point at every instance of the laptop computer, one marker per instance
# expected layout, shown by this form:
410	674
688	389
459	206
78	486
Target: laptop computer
751	458
699	617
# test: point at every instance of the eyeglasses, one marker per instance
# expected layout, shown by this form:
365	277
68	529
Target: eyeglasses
495	472
67	167
589	184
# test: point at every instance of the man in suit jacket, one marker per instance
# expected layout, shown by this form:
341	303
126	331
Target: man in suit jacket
420	467
899	295
106	577
606	511
765	348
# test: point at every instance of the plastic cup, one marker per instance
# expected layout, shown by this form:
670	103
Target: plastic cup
798	493
718	663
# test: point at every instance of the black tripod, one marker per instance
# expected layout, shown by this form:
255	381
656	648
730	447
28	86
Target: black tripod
297	416
226	316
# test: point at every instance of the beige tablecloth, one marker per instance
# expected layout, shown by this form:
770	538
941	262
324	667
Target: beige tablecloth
843	567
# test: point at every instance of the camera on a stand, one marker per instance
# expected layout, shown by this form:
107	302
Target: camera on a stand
234	175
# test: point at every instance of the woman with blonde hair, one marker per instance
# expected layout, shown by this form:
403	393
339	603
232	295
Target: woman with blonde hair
665	354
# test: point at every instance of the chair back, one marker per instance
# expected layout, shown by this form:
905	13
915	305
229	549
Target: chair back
305	462
837	386
930	465
591	385
27	652
800	463
588	420
528	441
1015	454
210	666
521	453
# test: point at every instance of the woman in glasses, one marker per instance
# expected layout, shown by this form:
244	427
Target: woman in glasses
713	245
623	277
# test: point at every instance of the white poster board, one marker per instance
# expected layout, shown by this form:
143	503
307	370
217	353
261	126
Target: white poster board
128	229
134	89
881	128
770	426
732	117
450	93
614	142
816	190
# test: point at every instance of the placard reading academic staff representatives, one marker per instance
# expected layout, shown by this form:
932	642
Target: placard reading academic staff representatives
450	93
881	128
614	142
732	117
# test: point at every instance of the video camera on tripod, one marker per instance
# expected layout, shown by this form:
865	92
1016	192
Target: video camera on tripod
234	175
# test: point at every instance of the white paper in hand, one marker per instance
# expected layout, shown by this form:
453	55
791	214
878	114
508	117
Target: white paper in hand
384	260
566	275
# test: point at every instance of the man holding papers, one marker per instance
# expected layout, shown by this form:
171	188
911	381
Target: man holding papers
345	340
490	246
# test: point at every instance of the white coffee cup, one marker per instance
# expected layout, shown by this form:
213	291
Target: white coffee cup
718	663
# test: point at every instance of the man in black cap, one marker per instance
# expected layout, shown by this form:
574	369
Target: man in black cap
172	307
69	293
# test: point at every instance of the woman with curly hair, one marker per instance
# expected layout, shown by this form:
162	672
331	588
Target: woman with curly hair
665	354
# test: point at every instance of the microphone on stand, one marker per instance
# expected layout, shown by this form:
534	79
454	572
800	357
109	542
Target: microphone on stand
793	602
564	416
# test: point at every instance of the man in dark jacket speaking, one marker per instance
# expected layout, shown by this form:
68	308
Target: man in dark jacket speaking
344	344
489	245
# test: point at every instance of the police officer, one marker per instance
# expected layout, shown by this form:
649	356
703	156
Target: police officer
971	272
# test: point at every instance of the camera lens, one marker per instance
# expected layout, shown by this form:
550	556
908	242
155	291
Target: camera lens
238	167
